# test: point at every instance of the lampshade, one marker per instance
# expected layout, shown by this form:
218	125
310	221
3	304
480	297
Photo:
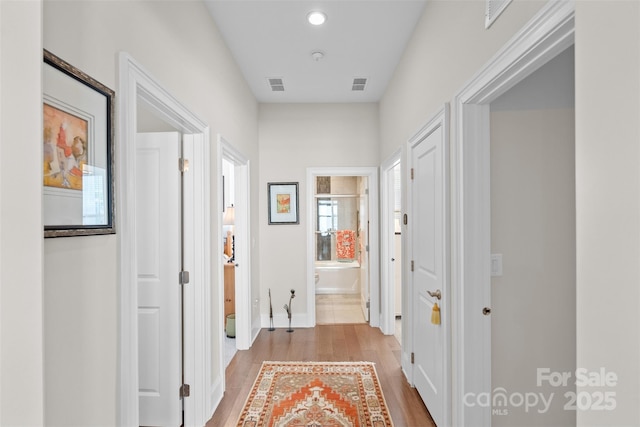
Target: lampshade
229	217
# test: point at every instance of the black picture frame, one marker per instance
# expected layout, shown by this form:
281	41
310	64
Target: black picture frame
283	203
78	152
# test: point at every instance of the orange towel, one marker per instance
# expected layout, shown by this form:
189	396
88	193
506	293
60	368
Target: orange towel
346	244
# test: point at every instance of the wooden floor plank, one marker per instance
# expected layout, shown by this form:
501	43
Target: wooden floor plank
355	342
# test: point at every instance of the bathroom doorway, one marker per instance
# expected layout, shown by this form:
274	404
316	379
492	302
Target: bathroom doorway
340	247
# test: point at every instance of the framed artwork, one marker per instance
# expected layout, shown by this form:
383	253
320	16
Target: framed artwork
78	152
283	203
323	185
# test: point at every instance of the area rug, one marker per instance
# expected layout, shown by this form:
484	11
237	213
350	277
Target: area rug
316	394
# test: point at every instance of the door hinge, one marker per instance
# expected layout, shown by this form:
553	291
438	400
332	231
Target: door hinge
368	305
413	358
183	165
366	248
411	265
183	277
412	173
406	219
185	390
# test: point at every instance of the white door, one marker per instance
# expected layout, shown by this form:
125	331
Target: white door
363	241
428	230
158	264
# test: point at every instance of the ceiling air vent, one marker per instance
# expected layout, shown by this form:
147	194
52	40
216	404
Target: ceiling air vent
359	83
276	85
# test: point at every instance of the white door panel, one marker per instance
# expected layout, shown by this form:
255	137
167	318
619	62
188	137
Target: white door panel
158	263
363	209
429	254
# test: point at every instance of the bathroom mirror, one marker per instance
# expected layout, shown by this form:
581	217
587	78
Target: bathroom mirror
336	228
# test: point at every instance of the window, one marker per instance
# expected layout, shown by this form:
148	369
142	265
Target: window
327	215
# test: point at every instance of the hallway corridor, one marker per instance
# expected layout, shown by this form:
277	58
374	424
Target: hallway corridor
355	342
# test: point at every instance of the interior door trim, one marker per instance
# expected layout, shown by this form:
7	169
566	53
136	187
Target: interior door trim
374	254
137	85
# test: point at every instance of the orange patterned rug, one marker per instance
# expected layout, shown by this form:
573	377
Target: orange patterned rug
316	394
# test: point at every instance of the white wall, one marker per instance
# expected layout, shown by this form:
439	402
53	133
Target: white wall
294	137
533	302
21	319
608	202
450	45
177	42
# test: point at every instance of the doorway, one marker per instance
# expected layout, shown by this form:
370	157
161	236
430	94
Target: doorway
391	259
229	262
397	259
341	257
141	98
533	239
236	184
550	32
341	234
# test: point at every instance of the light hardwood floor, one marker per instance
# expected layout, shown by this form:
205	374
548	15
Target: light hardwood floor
349	342
334	309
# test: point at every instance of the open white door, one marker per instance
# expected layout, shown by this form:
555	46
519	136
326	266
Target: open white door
390	244
158	264
363	231
428	225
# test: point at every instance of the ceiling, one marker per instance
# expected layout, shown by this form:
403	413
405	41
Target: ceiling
360	39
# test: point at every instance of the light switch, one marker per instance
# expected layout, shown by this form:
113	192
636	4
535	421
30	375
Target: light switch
496	265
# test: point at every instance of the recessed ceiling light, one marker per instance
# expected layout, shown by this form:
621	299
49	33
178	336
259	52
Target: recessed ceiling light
316	18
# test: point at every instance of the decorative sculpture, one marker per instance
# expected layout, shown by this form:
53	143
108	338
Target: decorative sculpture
271	327
288	308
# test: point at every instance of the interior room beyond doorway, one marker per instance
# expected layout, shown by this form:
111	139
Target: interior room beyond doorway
340	249
228	229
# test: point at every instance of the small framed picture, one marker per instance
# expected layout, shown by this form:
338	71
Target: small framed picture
283	202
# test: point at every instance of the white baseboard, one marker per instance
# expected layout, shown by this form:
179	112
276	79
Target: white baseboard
280	320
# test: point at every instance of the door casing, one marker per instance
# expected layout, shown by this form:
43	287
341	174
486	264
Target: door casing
245	332
136	85
374	255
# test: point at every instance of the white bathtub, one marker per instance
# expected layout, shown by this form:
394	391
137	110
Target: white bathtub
333	277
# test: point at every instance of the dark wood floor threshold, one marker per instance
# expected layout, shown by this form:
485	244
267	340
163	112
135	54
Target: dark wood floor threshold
324	343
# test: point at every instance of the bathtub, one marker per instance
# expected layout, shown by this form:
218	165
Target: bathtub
333	277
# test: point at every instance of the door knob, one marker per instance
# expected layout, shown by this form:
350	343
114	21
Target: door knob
437	294
486	311
393	259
